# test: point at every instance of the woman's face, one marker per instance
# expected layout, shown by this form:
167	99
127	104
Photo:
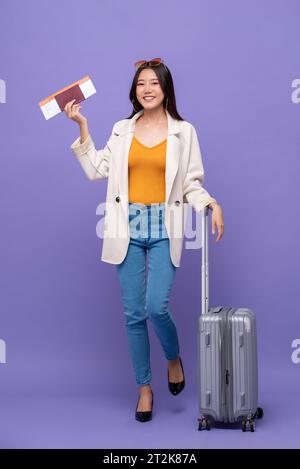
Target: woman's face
148	85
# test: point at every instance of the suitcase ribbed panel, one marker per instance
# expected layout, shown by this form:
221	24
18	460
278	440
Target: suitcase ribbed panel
244	356
210	374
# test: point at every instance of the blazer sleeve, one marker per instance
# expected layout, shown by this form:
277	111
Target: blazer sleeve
193	190
95	163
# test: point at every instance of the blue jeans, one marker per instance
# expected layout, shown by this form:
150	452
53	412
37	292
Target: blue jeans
147	298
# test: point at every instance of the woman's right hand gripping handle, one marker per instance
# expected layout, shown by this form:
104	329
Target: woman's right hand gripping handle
72	112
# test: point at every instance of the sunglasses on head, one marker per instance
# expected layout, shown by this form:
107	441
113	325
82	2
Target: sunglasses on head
153	62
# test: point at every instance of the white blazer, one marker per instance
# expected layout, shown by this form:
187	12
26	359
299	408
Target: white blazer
184	176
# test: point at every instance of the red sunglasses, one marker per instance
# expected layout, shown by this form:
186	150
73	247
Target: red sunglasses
153	62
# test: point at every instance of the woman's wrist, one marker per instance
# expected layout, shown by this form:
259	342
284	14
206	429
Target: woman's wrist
84	131
83	123
212	205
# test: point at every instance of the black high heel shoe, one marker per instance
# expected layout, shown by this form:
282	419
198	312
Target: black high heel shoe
176	388
144	416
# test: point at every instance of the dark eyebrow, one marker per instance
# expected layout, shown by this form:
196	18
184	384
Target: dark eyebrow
142	79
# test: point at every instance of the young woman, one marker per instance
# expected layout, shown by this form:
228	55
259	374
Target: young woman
153	164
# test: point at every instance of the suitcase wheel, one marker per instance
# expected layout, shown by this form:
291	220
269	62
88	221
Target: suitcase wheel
248	424
259	413
252	426
204	424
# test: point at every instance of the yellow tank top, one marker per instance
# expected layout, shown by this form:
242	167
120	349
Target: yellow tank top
146	172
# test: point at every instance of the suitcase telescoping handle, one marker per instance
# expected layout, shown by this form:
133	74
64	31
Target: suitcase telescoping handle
204	266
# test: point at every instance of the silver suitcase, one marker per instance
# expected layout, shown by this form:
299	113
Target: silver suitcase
227	359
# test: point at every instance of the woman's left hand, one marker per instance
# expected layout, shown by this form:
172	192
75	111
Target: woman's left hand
217	220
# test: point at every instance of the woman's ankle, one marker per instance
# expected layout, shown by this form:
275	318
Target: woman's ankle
145	389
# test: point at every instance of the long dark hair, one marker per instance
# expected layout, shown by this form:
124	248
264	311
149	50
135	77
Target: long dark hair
166	82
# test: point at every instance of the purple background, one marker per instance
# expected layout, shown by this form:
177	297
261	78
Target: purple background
68	380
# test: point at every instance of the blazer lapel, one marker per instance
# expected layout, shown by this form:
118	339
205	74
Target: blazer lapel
126	132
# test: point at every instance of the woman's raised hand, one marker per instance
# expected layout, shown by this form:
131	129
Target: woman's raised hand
72	112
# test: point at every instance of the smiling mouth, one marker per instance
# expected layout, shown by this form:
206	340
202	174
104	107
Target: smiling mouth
148	98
